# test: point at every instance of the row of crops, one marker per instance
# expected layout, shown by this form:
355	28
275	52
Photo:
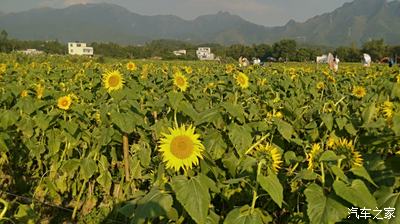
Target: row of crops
186	142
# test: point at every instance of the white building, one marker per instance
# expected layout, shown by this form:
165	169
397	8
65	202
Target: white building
179	52
204	53
77	48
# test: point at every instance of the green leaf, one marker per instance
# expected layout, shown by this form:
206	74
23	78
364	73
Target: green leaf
328	156
42	120
188	109
54	141
244	216
25	214
341	122
208	116
357	194
306	174
144	153
70	166
214	144
8	118
396	124
235	110
125	121
285	129
362	172
350	129
328	121
105	181
213	218
339	173
152	205
272	185
240	137
88	168
322	209
4	138
396	90
387	199
174	99
230	161
369	113
193	195
70	126
290	156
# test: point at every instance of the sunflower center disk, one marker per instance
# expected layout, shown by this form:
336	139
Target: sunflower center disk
182	147
64	103
180	81
113	81
241	80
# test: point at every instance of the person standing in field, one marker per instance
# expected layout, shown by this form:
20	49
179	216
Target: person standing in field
333	62
336	64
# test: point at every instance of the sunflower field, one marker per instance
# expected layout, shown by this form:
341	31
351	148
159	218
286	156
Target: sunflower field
90	141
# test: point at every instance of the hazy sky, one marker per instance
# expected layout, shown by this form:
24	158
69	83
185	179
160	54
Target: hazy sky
264	12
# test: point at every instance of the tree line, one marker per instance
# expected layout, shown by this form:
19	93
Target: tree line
284	50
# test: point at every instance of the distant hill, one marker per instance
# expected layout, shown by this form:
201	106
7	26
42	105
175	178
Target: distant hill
354	22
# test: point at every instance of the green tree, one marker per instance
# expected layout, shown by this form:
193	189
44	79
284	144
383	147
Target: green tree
348	54
262	51
376	48
285	49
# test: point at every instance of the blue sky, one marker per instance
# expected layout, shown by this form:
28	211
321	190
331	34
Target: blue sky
264	12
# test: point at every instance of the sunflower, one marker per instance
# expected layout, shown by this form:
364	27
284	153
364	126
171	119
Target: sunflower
312	156
273	154
242	80
320	85
181	148
330	143
331	79
113	80
387	110
165	69
329	107
262	82
97	117
346	147
3	68
64	102
278	114
229	68
145	71
130	66
188	69
24	93
359	91
180	81
39	91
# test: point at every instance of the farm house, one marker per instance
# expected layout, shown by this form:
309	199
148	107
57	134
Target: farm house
78	48
179	52
204	53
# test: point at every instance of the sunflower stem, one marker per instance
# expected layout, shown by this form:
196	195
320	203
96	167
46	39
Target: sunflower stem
3	212
253	202
175	119
322	174
236	97
257	143
78	200
293	169
125	145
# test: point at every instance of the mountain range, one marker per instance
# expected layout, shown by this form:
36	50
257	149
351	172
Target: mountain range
354	22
